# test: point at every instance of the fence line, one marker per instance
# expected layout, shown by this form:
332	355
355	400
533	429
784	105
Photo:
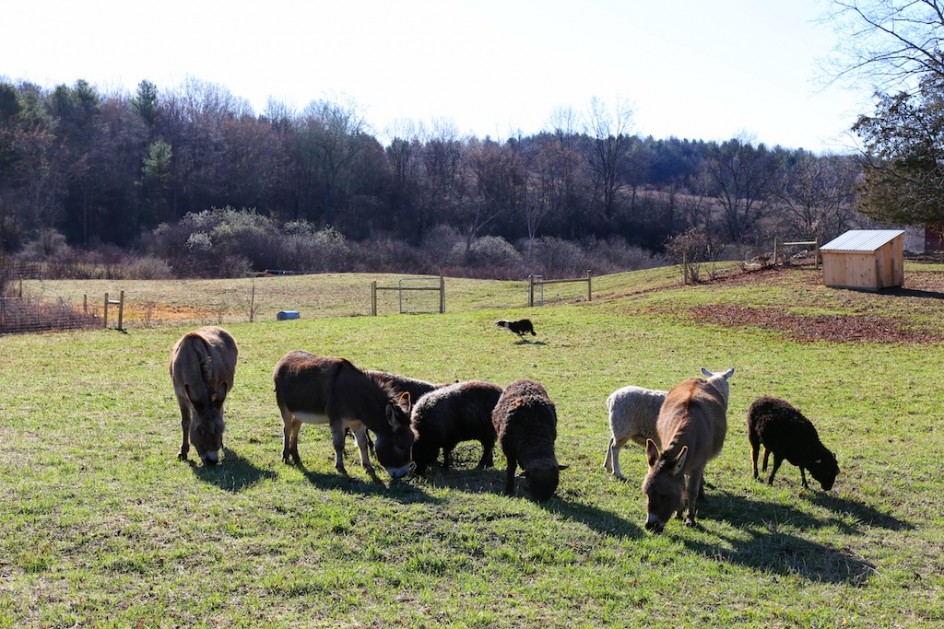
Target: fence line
813	243
374	288
537	280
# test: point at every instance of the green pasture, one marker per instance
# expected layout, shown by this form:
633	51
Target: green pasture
102	526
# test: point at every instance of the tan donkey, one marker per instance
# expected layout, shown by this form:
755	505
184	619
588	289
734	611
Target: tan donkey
692	425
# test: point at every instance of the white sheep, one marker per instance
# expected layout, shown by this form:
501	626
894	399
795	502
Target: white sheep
633	414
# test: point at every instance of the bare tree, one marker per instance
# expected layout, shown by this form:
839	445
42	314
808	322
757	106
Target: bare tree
888	42
817	195
334	130
742	178
609	149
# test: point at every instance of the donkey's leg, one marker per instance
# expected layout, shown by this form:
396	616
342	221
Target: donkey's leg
362	439
338	435
693	490
290	428
184	428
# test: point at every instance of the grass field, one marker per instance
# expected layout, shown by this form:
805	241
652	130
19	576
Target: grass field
102	526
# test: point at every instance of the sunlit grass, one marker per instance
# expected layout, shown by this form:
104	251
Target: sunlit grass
103	526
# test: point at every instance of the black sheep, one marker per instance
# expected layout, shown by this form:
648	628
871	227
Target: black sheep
457	412
784	431
525	421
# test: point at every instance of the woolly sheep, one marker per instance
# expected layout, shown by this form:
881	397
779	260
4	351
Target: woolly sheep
633	413
451	414
525	421
783	430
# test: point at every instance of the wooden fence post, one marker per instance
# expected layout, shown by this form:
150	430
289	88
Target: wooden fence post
442	295
589	289
531	291
373	298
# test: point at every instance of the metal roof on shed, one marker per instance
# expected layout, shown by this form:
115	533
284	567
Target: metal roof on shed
862	240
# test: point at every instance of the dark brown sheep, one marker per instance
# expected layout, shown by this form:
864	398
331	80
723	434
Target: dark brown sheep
451	414
783	430
525	421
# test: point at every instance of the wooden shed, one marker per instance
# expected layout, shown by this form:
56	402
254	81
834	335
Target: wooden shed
869	259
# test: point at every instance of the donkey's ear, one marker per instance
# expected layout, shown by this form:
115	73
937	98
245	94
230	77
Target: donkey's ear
679	464
652	452
404	401
391	417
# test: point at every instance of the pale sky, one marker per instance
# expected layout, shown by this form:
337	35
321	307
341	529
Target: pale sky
696	69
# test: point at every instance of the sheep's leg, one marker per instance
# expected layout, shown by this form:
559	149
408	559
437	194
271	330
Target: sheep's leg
510	475
755	450
184	428
613	452
766	455
608	461
777	461
488	455
803	477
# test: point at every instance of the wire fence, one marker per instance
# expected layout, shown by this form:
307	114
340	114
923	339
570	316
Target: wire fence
19	317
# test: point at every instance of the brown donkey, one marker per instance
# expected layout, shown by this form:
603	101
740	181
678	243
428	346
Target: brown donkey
692	424
325	390
202	366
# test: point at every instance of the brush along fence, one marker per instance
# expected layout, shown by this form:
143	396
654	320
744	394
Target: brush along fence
414	295
779	250
536	284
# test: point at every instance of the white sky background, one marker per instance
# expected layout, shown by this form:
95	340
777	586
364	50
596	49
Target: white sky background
696	69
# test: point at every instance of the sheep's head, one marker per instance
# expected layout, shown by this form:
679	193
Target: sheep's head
824	468
719	381
543	477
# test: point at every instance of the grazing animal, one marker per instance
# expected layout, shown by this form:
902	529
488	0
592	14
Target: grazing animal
416	388
692	425
449	415
633	413
525	421
318	389
202	367
782	429
520	327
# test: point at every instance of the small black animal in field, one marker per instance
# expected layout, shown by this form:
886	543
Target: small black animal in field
520	327
784	431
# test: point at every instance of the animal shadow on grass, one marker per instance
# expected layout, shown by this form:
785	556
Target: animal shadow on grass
233	474
373	485
768	547
864	514
602	521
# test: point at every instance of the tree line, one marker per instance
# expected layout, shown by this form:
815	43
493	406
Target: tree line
87	169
